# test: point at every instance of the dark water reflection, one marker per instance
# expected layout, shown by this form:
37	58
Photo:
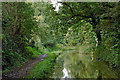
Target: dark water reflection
73	64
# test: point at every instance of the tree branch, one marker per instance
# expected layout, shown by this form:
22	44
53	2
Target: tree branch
73	14
68	6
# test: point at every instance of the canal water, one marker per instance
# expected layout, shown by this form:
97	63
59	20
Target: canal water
74	64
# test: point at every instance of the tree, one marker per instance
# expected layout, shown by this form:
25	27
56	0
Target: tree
90	12
17	25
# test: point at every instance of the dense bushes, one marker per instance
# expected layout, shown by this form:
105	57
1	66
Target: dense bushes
34	51
107	55
12	51
17	25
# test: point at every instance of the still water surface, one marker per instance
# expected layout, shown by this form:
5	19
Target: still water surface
73	64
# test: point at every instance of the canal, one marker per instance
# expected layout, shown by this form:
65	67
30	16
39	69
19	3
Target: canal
75	64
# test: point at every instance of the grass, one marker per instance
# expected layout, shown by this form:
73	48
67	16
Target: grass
43	69
34	52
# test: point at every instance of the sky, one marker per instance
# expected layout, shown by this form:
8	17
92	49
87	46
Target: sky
56	5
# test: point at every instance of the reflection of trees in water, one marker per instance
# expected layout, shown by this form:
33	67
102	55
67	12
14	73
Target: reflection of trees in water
78	69
81	66
59	67
75	65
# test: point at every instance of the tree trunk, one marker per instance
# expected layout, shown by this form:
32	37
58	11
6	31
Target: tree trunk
96	30
98	37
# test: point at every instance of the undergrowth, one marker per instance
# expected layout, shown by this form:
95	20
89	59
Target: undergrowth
17	59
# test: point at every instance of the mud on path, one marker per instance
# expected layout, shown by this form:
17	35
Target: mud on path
24	69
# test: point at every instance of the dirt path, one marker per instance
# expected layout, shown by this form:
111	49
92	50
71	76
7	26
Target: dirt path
23	70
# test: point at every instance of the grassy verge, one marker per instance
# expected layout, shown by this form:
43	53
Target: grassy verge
43	69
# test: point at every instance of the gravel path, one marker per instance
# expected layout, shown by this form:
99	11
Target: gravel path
23	70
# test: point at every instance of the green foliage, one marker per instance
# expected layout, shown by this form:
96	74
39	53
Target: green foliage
34	51
17	25
11	50
107	55
27	25
86	23
10	61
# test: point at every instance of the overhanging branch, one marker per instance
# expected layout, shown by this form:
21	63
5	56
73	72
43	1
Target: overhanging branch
68	6
73	14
